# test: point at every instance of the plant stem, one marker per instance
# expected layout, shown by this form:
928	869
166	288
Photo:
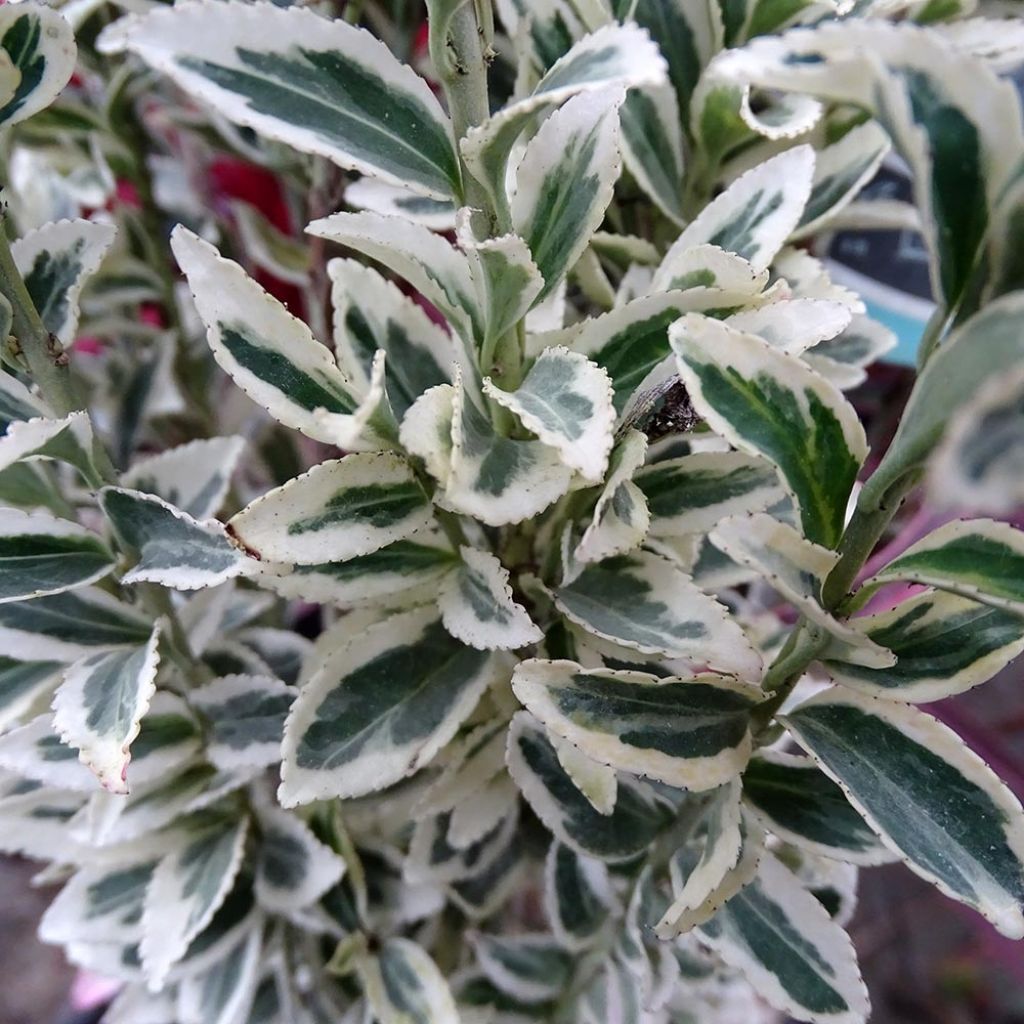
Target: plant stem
463	71
931	336
802	646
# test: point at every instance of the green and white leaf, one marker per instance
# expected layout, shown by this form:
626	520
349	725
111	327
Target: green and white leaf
225	992
42	555
35	751
371	314
188	887
796	569
721	843
294	868
931	800
637	818
944	644
270	248
691	733
395	574
621	518
24	685
39	48
840	172
434	267
321	86
376	196
172	548
477	606
598	782
18	402
403	984
681	918
496	479
794	325
578	896
643	602
566	400
692	493
767	403
66	626
782	940
55	262
270	355
99	708
755	215
797	802
339	509
709	266
379	708
652	146
612	56
984	349
564	182
529	968
69	440
194	477
245	718
977	558
169	738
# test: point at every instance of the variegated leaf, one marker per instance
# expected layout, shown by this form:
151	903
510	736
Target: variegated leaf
755	215
294	868
434	859
189	885
40	44
172	548
566	400
477	606
69	439
379	708
245	717
986	347
685	914
770	404
23	686
977	558
578	896
226	991
270	248
612	56
403	984
794	325
66	626
796	569
371	314
272	356
431	264
100	705
338	510
692	493
169	737
652	146
393	574
643	602
564	182
692	733
35	751
709	266
944	644
42	555
782	940
529	968
267	69
799	803
18	402
194	477
599	783
497	479
55	261
621	519
840	172
930	799
637	818
376	196
698	877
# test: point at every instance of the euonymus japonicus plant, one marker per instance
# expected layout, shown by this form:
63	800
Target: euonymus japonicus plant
605	709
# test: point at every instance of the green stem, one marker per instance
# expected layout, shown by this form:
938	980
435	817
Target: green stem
802	646
932	335
463	71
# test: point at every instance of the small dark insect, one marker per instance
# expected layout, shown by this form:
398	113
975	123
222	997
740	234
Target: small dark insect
671	413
